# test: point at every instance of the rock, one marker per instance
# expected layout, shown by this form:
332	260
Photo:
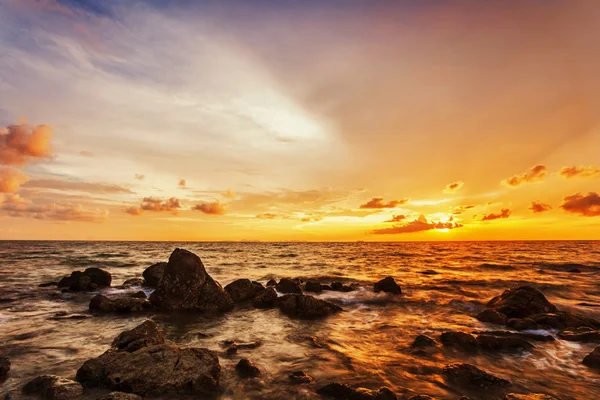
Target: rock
530	396
88	280
521	302
575	270
65	315
461	340
306	307
340	287
287	285
186	286
563	320
429	272
341	391
592	360
527	336
503	343
140	294
144	335
266	299
581	334
336	390
122	304
423	341
300	377
492	316
154	273
312	286
4	368
387	285
271	282
421	397
133	282
326	287
48	284
120	396
522	324
243	290
53	387
470	377
247	369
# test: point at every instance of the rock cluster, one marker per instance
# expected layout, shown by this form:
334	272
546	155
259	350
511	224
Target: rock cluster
88	280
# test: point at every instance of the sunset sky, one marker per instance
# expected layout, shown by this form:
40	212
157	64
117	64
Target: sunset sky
300	120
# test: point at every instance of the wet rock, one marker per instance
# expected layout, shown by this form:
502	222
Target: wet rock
575	270
48	284
186	286
421	397
460	340
287	285
492	316
271	282
53	387
133	282
563	320
144	335
243	290
139	294
522	324
266	299
88	280
340	287
503	343
423	341
387	285
306	307
65	315
153	274
592	360
121	304
300	377
312	286
470	377
429	272
326	287
120	396
527	336
530	396
247	369
521	302
581	334
341	391
4	368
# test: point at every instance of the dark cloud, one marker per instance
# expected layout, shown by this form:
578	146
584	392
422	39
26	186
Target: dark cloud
453	187
504	213
212	208
15	206
88	187
581	171
11	180
21	144
377	203
538	207
588	205
535	174
418	225
396	218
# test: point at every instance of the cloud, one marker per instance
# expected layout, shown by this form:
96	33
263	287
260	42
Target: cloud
156	205
212	208
21	144
267	216
535	174
134	211
453	187
504	213
85	153
462	208
418	225
11	180
377	203
15	206
88	187
588	205
229	194
182	184
581	171
139	177
538	207
397	218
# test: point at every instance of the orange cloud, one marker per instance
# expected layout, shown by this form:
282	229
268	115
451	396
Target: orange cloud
588	205
85	153
397	218
229	194
139	177
156	205
88	187
462	208
182	183
377	203
267	216
20	144
538	207
535	174
504	213
134	211
453	187
212	208
418	225
11	180
581	171
15	206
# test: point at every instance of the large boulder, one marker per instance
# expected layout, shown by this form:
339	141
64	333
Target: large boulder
592	360
154	273
88	280
144	335
53	387
266	299
387	285
243	290
580	334
4	368
287	285
467	376
186	286
120	396
529	396
121	304
306	307
521	302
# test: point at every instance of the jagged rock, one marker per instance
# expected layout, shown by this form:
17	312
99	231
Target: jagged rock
300	377
492	316
530	396
563	320
133	282
522	324
243	290
154	273
121	304
345	392
287	285
186	286
144	335
88	280
470	377
581	334
592	360
521	302
247	369
461	340
53	387
266	299
271	282
304	306
312	286
387	285
4	368
503	343
423	341
340	287
120	396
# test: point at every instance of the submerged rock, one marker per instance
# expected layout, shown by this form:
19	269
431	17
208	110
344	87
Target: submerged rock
53	387
121	304
340	287
492	316
133	282
304	306
243	290
530	396
563	320
88	280
592	360
247	369
461	340
120	396
522	324
581	334
521	302
527	336
345	392
503	343
153	274
300	377
387	285
186	286
4	368
312	286
470	377
423	341
287	285
144	335
266	299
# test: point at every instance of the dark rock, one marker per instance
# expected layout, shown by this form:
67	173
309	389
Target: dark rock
563	320
47	284
304	306
271	282
503	343
247	369
575	270
460	340
144	335
266	299
387	285
88	280
421	397
120	396
527	336
300	377
340	287
326	287
581	334
341	391
65	315
592	360
287	285
429	272
153	274
133	282
186	286
243	290
423	341
139	294
530	396
492	316
336	390
312	286
231	350
53	387
4	368
122	304
522	324
470	377
521	302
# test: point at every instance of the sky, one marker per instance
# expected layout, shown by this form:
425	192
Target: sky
309	120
